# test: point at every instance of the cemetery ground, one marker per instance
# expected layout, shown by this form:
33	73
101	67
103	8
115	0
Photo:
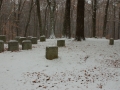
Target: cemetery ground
87	65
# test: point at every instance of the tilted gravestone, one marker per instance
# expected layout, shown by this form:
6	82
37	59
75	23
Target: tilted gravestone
60	43
111	41
42	38
17	38
13	45
1	46
3	37
51	52
21	39
26	44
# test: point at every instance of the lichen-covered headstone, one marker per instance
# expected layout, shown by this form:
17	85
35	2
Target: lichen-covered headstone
51	52
21	39
26	44
111	42
13	45
17	38
34	40
1	46
3	37
60	43
42	38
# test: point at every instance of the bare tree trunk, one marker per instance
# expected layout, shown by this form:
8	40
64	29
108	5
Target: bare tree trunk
1	4
66	28
39	17
28	20
52	7
114	21
94	17
105	19
80	20
119	25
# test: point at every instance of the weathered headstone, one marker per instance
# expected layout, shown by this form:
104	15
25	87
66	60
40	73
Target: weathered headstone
26	44
3	37
1	46
13	45
60	43
17	38
111	42
42	38
21	39
34	40
51	52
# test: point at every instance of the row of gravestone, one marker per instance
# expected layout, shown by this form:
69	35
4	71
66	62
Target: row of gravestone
13	45
20	39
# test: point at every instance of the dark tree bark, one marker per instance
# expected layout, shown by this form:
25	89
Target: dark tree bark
80	20
94	2
113	36
39	17
1	4
105	19
66	24
119	25
18	14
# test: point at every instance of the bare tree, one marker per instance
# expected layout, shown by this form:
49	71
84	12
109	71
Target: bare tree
94	5
52	9
105	18
39	17
80	20
66	25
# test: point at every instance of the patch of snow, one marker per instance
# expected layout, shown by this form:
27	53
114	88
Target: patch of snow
86	65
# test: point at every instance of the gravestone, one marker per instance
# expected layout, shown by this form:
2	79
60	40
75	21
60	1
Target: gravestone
51	52
111	41
21	39
42	38
13	45
26	44
60	43
29	37
1	45
34	40
3	37
17	38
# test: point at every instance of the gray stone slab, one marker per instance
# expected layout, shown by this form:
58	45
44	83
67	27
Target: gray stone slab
51	52
26	44
13	45
42	39
3	37
111	41
21	39
60	43
1	45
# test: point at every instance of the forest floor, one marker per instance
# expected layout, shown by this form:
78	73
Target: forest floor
87	65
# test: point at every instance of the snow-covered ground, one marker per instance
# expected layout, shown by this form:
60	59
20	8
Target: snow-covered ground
87	65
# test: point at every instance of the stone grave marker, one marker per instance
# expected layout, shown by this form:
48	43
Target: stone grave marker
3	37
26	44
1	45
13	45
51	52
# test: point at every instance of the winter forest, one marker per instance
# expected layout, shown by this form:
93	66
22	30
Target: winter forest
59	44
59	18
